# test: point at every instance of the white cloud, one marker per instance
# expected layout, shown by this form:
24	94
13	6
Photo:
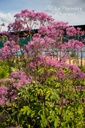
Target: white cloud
68	11
71	17
6	18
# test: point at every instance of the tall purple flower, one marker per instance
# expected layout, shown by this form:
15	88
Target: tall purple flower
3	93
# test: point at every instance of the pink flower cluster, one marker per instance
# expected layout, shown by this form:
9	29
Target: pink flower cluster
16	26
13	127
26	20
38	44
73	44
17	80
9	49
3	92
80	88
54	29
71	31
20	78
47	62
75	72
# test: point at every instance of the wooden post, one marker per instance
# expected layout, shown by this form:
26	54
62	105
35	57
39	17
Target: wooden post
81	57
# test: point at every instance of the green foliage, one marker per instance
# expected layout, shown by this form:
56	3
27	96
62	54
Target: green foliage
82	68
46	102
41	106
4	70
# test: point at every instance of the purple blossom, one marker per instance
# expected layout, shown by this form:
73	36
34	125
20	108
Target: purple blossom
2	100
3	92
73	44
13	127
80	88
20	78
9	49
71	31
17	85
61	74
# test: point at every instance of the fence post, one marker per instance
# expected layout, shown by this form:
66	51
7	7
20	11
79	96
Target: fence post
81	57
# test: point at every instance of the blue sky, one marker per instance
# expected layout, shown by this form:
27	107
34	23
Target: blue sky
61	10
17	5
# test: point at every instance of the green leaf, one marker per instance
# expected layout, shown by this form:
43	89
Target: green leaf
56	122
25	110
44	122
80	110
